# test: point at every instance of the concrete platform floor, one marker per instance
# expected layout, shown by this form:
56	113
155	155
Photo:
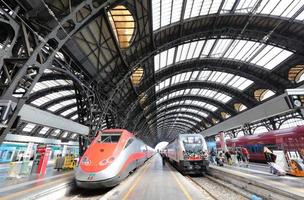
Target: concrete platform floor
156	181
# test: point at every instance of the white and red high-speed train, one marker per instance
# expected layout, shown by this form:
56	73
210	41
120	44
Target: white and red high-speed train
112	155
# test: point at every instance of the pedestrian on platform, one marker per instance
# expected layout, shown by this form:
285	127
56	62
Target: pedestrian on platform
269	156
245	155
239	155
59	162
213	155
228	157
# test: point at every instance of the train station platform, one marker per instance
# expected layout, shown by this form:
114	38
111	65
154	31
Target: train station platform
32	186
156	181
259	174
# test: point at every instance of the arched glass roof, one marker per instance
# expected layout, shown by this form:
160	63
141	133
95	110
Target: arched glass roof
262	55
183	109
218	96
166	12
191	102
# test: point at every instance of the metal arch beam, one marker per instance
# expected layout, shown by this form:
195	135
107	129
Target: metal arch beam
57	101
168	117
245	99
180	126
44	92
202	118
53	76
260	76
198	98
233	25
198	108
178	122
188	97
164	118
175	113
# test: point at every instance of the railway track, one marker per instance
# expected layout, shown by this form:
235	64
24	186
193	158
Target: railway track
217	190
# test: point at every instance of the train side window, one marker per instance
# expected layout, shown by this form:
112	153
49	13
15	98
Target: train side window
129	142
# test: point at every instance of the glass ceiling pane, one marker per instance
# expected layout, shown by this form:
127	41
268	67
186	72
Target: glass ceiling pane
266	56
44	130
224	78
166	12
29	127
42	100
48	84
65	113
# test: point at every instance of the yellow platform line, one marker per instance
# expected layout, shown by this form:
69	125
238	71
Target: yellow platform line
136	182
184	190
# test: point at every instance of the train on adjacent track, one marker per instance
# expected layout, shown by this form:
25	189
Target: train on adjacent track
110	158
188	153
289	139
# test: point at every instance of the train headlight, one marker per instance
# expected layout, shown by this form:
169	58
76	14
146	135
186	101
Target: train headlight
103	162
85	161
110	160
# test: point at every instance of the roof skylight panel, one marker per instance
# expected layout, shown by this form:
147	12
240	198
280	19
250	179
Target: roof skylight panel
177	10
204	75
208	46
192	49
227	6
246	6
210	107
280	57
222	97
221	47
44	130
269	53
165	12
29	127
194	91
65	113
210	7
156	14
40	101
283	8
194	75
74	117
240	83
184	52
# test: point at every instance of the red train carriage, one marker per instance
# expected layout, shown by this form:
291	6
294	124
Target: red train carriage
112	155
289	139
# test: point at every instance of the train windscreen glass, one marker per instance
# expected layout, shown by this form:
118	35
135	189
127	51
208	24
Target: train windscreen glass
109	138
193	144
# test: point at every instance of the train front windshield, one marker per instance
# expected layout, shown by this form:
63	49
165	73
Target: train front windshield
193	145
109	138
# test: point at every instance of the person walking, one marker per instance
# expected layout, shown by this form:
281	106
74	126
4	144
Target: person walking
245	155
213	155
